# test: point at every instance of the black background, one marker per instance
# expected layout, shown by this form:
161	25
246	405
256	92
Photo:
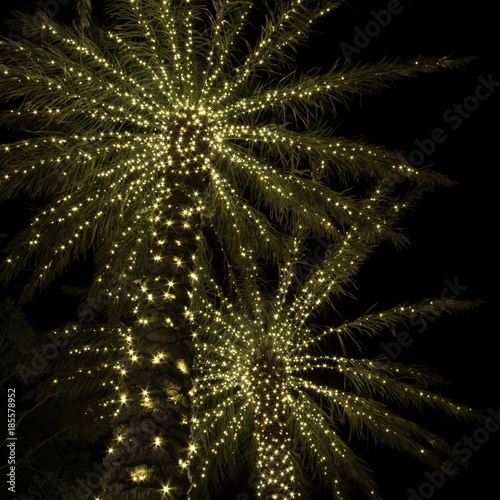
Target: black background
453	233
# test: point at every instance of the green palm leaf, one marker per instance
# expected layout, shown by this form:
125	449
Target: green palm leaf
136	140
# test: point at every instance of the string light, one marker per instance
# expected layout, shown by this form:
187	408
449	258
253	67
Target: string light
145	141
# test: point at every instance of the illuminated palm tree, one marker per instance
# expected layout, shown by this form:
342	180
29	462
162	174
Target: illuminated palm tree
268	393
143	136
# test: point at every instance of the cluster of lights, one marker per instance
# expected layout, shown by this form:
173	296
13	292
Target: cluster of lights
128	166
142	143
257	380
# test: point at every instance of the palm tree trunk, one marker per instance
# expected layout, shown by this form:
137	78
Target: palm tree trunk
275	459
151	432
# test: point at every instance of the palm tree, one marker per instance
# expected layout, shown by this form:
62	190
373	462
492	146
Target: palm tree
265	385
141	139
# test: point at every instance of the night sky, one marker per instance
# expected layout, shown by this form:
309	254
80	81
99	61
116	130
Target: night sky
452	232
